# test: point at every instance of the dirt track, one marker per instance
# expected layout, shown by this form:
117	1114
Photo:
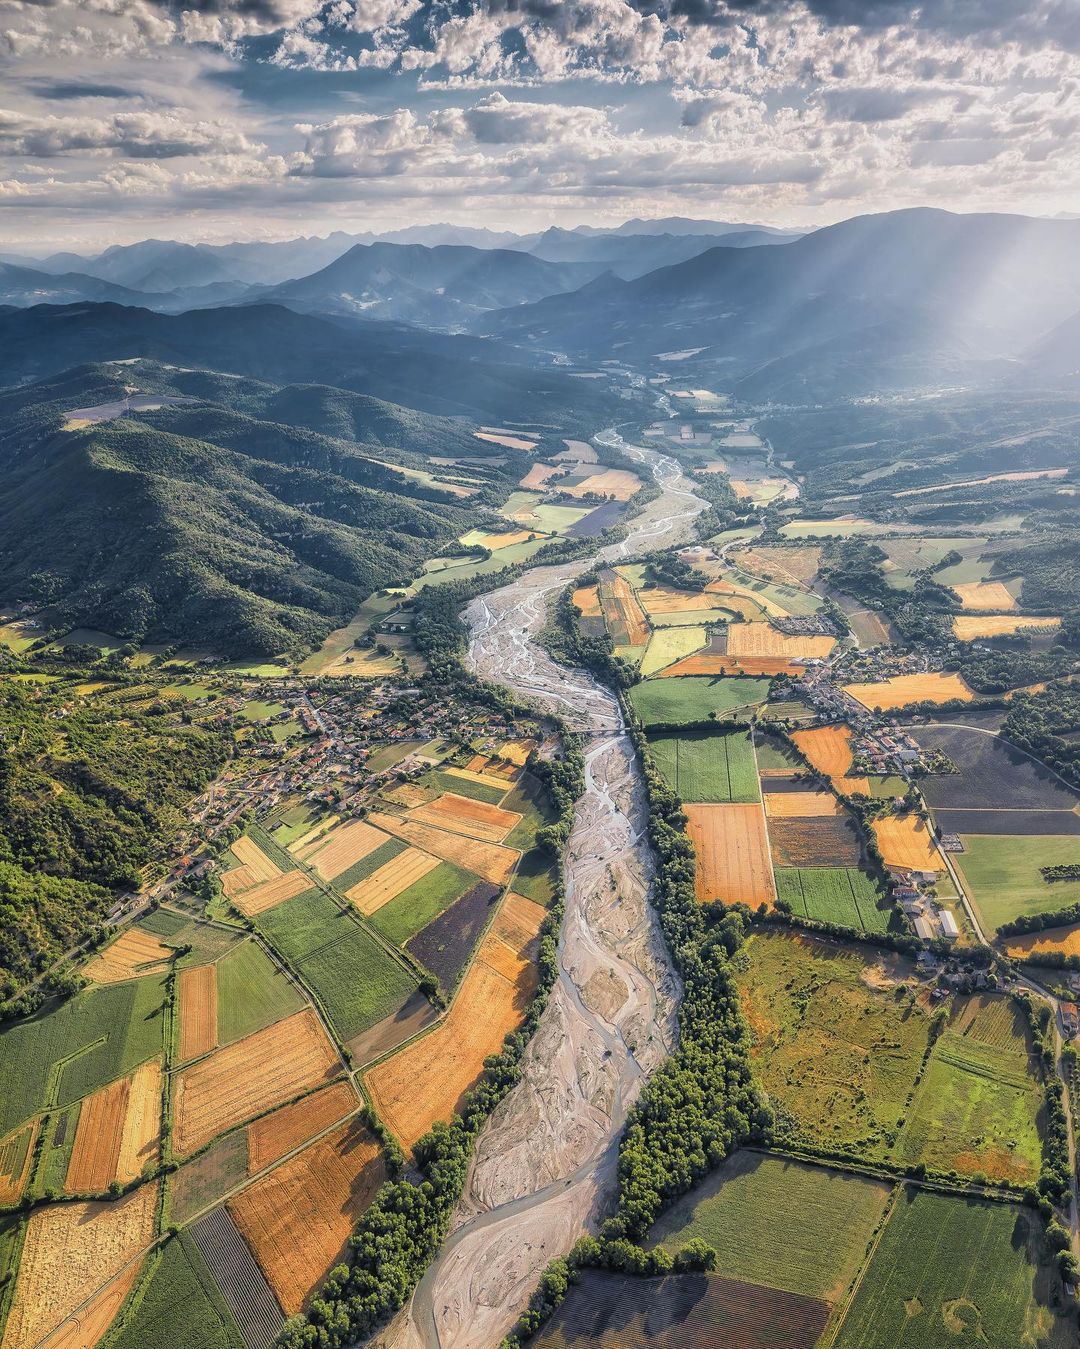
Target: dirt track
544	1169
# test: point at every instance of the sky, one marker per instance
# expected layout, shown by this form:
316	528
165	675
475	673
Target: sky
241	119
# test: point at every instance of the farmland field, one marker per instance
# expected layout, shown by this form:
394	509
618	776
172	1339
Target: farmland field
681	1311
832	1044
762	639
992	774
814	841
986	596
680	701
251	992
669	645
950	1270
133	955
341	848
841	895
907	841
970	627
118	1131
299	1218
801	804
15	1156
492	861
445	944
198	1011
206	1178
272	1136
422	902
100	1034
977	1108
828	749
242	1284
732	854
1063	941
462	815
267	894
179	1292
755	1207
700	766
903	690
399	873
1001	874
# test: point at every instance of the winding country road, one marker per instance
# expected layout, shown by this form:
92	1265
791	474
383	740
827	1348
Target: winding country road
545	1164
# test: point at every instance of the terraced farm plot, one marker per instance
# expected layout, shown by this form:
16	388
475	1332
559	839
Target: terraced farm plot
248	1077
275	1135
970	627
252	992
345	845
841	895
1002	875
828	749
907	841
426	1080
446	943
15	1156
118	1132
69	1252
700	766
267	894
833	1045
732	854
904	690
957	1270
298	1219
134	955
977	1109
391	879
984	596
681	1311
461	815
491	861
762	639
180	1299
421	902
755	1207
198	996
239	1279
100	1034
814	841
683	702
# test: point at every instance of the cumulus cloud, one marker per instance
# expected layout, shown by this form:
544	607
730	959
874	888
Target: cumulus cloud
139	135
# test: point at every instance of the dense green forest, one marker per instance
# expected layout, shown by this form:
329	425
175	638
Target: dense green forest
1046	725
86	791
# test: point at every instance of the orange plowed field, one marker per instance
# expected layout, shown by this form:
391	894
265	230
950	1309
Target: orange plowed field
762	639
71	1251
1063	941
426	1080
487	860
390	879
299	1218
707	664
801	805
198	1011
732	852
619	483
268	894
623	618
967	627
86	1328
342	847
906	841
903	690
141	1138
250	1076
97	1139
587	599
274	1135
131	956
828	749
476	819
16	1154
980	596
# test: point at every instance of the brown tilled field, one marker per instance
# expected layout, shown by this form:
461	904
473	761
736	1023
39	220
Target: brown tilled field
269	894
538	475
271	1137
71	1251
732	853
426	1080
92	1167
131	956
985	596
762	639
487	860
903	690
906	841
298	1219
828	749
708	664
141	1139
16	1154
779	805
969	627
250	1076
792	566
619	483
463	815
814	841
198	1011
86	1328
342	847
390	879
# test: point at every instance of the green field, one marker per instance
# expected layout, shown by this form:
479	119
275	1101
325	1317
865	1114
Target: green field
251	993
57	1146
1001	874
668	645
10	1227
773	753
207	941
798	603
367	866
781	1223
708	766
424	900
977	1109
682	700
841	895
439	781
68	1050
178	1302
956	1271
835	1044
